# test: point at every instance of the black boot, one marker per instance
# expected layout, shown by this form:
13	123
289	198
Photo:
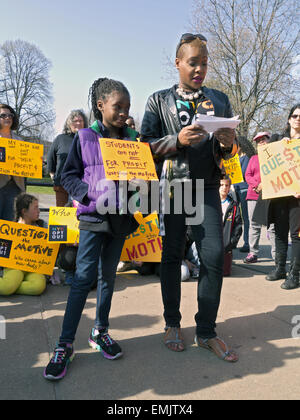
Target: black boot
279	272
292	281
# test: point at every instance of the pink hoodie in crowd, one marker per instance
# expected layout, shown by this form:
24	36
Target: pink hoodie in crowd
252	176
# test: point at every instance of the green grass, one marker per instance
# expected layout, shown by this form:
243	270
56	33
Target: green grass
39	190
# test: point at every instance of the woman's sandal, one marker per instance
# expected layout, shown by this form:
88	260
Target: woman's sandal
173	339
218	347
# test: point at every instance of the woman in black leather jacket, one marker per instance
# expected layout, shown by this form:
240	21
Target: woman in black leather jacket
183	150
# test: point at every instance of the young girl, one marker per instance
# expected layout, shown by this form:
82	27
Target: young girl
17	281
83	170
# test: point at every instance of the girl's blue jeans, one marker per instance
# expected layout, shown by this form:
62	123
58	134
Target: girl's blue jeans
92	247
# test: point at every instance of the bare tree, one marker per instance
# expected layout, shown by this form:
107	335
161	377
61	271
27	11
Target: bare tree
252	48
25	86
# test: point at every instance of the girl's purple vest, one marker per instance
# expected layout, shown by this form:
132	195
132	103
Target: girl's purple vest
93	167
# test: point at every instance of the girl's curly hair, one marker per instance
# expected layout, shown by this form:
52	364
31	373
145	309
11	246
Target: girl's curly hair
101	89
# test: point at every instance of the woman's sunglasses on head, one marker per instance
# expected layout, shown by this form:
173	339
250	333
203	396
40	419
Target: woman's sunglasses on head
186	38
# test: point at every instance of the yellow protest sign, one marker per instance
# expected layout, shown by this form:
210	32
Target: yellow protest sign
21	158
280	168
233	169
124	159
145	243
63	225
25	247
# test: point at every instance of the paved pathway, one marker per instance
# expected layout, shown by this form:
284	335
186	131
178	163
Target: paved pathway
255	317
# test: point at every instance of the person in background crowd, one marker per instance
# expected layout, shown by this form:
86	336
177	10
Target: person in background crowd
17	281
59	151
190	265
182	149
253	180
66	260
10	186
285	213
246	151
232	223
130	122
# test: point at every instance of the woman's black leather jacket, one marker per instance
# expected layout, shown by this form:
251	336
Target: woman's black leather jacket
160	128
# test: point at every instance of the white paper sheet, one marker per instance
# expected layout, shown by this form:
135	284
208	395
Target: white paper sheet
211	123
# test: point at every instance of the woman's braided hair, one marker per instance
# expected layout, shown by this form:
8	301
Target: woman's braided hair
101	89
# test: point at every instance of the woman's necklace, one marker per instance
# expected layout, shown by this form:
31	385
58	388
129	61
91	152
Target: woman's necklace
188	96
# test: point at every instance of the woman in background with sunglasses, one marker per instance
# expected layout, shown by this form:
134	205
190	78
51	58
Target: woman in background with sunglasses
10	186
183	150
285	213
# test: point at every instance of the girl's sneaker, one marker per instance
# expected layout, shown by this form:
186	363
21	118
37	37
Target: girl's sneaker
100	340
57	367
251	258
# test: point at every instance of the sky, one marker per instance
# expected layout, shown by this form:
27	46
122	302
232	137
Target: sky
84	40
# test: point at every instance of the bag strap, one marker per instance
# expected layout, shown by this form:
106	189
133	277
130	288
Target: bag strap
233	217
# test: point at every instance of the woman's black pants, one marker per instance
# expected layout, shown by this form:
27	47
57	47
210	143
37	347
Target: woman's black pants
286	215
209	242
